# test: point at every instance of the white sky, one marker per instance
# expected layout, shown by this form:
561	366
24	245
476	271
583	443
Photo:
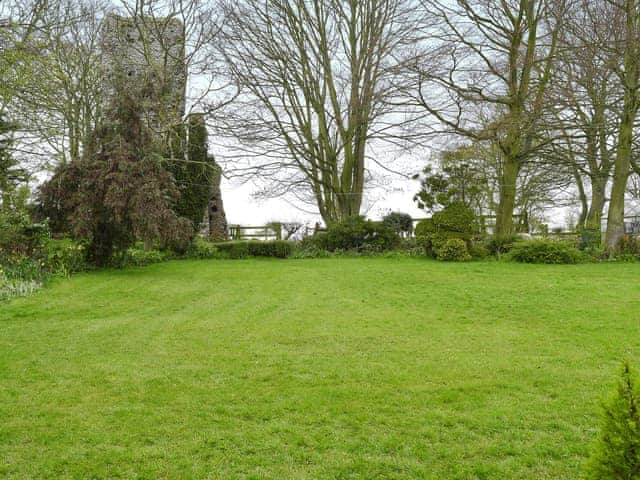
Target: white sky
242	209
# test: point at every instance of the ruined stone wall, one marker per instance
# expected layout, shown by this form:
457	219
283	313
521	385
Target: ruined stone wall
147	56
217	217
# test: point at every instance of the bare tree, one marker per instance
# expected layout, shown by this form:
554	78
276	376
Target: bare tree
624	23
319	83
587	93
61	104
497	58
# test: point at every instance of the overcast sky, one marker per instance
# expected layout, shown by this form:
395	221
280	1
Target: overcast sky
243	209
388	192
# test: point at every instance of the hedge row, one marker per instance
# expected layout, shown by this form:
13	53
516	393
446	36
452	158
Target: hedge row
255	248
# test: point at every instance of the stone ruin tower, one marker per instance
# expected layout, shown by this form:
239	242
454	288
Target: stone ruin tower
217	219
148	55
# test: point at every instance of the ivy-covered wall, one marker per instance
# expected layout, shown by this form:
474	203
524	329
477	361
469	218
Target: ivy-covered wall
192	169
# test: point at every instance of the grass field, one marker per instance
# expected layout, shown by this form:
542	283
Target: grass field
314	369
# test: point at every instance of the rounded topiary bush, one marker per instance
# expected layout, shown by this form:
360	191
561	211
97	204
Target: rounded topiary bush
455	222
457	217
401	223
453	250
545	251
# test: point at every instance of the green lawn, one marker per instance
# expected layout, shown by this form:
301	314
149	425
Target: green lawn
314	369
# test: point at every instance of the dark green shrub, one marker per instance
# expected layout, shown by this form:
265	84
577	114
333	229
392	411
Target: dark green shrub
409	243
455	222
629	245
357	234
233	250
500	245
242	249
616	453
453	250
479	252
399	222
545	251
282	249
319	241
193	178
590	239
458	218
425	228
273	248
20	237
238	250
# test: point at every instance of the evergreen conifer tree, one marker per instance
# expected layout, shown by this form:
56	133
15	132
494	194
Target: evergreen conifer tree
616	455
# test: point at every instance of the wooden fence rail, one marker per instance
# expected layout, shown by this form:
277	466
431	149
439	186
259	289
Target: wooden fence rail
263	232
274	231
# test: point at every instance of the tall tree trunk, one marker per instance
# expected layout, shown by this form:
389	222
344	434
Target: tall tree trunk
598	199
622	168
506	205
584	204
624	148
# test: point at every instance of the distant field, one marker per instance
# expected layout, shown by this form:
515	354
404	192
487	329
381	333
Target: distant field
314	369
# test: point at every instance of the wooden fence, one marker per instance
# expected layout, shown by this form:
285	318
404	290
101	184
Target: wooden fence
274	231
264	232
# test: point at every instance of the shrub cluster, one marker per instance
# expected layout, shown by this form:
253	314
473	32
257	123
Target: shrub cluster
19	236
28	258
64	257
425	228
139	257
479	251
201	249
589	239
498	246
546	251
453	250
356	234
456	222
629	248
